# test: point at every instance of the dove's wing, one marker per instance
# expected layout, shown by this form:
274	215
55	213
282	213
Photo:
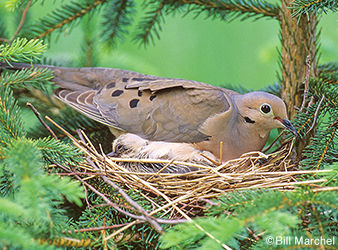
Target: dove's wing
152	107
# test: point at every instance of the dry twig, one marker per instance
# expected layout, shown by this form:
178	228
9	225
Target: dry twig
23	17
306	82
37	114
316	114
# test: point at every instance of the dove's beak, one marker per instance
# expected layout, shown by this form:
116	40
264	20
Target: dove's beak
288	125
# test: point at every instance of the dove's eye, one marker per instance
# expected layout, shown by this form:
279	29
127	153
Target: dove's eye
266	108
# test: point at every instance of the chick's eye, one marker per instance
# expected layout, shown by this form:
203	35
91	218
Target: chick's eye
119	148
266	108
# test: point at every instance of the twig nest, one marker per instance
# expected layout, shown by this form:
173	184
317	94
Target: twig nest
183	190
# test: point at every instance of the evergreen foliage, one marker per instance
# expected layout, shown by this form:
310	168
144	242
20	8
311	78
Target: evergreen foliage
250	218
118	17
61	19
36	210
306	7
37	78
22	50
11	122
29	206
12	5
30	198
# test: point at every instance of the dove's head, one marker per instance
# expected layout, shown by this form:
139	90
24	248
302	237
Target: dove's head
264	111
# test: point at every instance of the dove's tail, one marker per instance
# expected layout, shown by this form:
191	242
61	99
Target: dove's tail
73	79
18	66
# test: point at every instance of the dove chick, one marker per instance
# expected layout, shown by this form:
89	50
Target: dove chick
197	116
133	146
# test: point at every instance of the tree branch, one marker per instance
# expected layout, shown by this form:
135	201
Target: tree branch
242	7
23	17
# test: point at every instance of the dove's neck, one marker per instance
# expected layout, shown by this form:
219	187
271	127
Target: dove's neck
237	140
245	135
237	136
244	138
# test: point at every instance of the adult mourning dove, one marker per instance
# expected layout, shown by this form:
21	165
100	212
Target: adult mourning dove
198	115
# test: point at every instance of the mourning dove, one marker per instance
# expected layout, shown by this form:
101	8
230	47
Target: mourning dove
198	115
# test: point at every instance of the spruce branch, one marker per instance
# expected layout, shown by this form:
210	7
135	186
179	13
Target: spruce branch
223	229
319	118
22	50
117	18
36	77
329	67
145	216
38	193
58	151
248	8
11	127
62	18
150	25
274	89
68	242
16	237
11	5
266	212
309	7
304	120
322	149
328	72
11	124
237	88
320	87
23	17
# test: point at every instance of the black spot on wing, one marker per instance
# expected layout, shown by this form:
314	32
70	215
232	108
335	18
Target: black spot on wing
139	93
117	93
111	85
141	79
125	79
133	103
152	97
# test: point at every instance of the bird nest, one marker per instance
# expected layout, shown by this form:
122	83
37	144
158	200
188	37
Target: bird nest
183	192
251	170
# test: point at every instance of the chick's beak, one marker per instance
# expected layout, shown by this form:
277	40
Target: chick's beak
288	125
